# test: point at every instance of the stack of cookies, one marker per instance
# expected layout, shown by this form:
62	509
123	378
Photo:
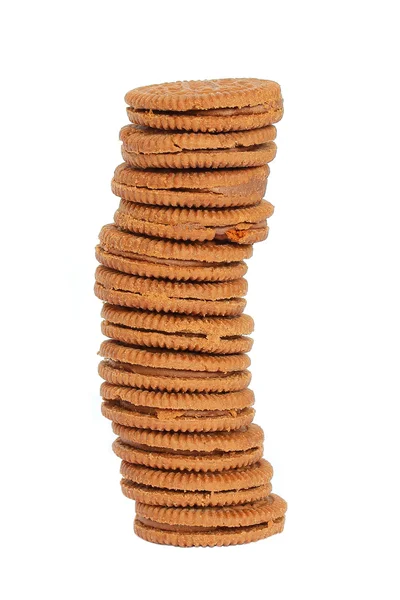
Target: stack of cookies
171	276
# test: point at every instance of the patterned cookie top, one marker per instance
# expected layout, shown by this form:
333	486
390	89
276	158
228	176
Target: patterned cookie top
203	95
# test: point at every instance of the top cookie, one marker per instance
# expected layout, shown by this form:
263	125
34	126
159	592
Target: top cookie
204	95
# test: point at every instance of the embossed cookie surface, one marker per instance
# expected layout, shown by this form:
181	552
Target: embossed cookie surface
207	106
203	95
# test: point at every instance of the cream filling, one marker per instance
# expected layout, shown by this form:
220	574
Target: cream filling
240	148
212	453
155	371
171	414
206	493
254	186
215	338
171	262
205	529
215	112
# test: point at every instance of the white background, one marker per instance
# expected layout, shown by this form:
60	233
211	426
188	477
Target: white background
324	292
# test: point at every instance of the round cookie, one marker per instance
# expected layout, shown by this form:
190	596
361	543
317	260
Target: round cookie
189	488
163	497
149	142
172	371
189	451
193	95
156	410
178	401
191	188
214	105
246	149
113	239
209	120
151	148
211	298
219	335
175	270
167	420
173	361
239	225
147	378
211	526
206	298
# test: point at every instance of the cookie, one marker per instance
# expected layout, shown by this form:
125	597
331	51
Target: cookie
191	481
222	158
173	371
178	401
163	497
189	451
207	120
185	420
190	488
239	225
207	106
150	148
211	298
211	526
186	253
215	335
175	270
181	96
147	378
156	410
218	188
173	361
146	141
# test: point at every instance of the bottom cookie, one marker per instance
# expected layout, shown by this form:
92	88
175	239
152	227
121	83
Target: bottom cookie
222	526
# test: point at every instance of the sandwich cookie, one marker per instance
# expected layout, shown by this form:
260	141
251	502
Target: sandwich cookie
191	188
207	106
167	380
217	335
211	298
215	451
178	261
152	409
242	225
151	148
191	488
211	526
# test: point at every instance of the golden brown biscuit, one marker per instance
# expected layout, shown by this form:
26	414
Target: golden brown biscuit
239	225
168	380
189	451
211	526
217	335
196	188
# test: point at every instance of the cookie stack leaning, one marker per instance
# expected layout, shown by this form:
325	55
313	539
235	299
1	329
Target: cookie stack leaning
171	276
